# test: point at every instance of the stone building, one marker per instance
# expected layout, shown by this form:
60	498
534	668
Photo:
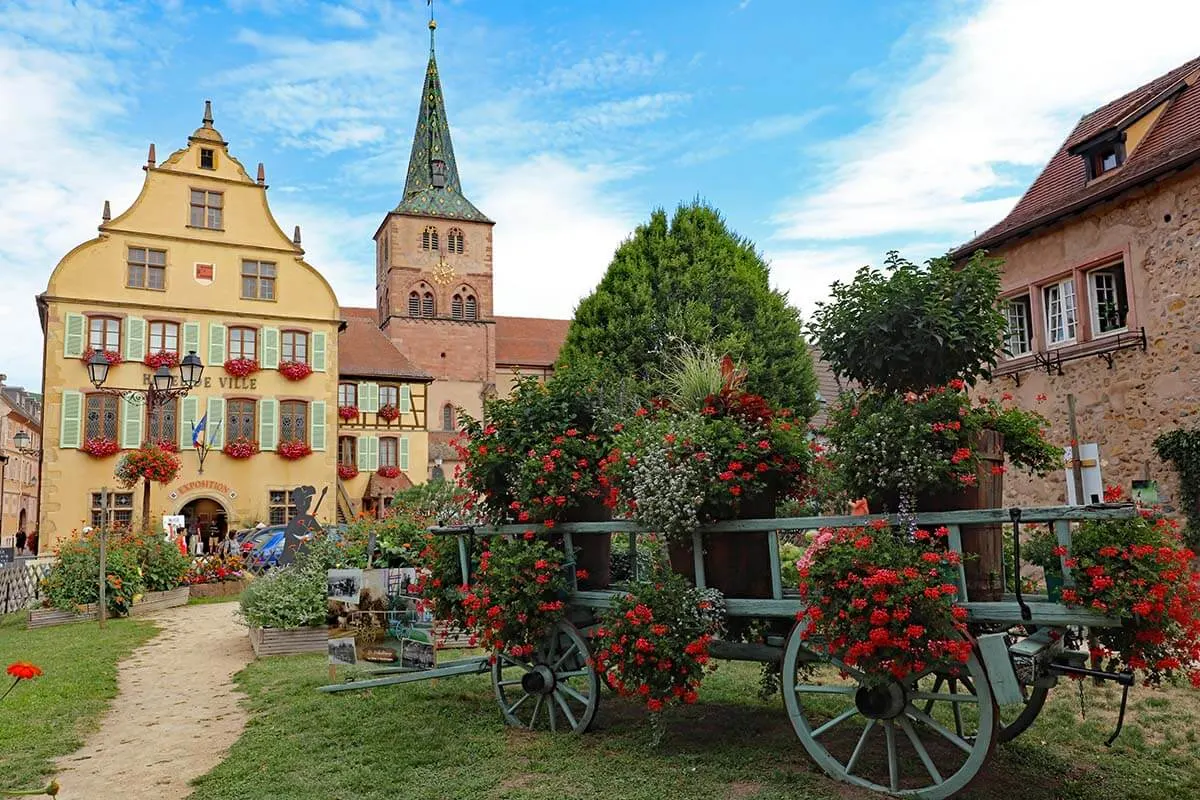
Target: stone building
434	285
20	416
1102	289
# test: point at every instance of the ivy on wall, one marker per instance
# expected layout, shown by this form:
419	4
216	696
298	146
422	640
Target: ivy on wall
1182	449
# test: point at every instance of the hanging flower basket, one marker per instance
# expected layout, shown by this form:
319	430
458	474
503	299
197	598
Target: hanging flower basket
293	450
347	471
148	462
295	370
241	367
100	448
240	448
111	356
388	471
389	413
163	358
347	413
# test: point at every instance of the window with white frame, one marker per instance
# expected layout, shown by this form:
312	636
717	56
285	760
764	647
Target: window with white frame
1058	300
1018	338
1110	302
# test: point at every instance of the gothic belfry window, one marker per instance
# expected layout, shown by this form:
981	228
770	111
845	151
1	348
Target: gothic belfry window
470	306
427	307
429	238
454	241
437	169
414	304
456	306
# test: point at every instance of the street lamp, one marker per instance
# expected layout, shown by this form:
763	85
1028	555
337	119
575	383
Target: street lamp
23	441
162	387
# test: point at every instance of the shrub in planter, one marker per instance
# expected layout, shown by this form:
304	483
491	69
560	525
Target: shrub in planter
653	643
73	583
163	567
883	604
241	367
163	358
100	448
240	447
347	471
291	597
295	370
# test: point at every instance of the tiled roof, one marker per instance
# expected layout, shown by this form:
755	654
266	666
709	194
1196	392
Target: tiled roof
365	352
829	385
529	341
1063	188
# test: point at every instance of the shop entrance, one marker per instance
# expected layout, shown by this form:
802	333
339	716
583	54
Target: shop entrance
206	523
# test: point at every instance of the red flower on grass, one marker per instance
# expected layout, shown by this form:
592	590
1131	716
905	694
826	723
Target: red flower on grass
23	670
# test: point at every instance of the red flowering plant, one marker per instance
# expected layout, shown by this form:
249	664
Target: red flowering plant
1140	571
293	449
148	462
537	454
389	412
113	357
882	602
163	358
295	370
241	447
652	643
20	671
347	471
241	367
347	413
517	594
167	445
440	582
214	569
100	447
388	471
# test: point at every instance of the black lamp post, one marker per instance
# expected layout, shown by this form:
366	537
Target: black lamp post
161	389
23	441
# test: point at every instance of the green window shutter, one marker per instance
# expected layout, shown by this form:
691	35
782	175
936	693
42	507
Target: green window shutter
404	453
188	417
405	399
270	348
372	453
70	432
360	448
268	423
191	338
372	396
135	339
318	351
73	335
361	393
317	425
216	345
216	422
131	424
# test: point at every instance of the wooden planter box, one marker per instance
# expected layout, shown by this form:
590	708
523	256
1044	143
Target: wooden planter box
289	641
222	589
150	602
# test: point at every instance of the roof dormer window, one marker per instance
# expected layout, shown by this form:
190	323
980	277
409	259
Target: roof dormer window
208	158
1105	159
438	169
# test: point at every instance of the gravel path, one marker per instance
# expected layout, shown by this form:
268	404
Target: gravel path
175	715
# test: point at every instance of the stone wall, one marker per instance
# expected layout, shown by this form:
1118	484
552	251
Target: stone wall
1157	233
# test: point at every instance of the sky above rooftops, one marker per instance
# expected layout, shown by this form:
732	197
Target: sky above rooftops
828	133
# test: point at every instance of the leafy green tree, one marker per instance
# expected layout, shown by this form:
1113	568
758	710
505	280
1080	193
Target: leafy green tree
686	283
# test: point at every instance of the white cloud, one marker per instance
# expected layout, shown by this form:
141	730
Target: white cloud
603	70
343	16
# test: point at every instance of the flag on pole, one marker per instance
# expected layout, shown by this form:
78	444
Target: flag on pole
198	429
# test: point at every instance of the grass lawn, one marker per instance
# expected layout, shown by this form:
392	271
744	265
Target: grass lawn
446	740
50	716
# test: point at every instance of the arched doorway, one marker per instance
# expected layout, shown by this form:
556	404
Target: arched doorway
21	519
205	518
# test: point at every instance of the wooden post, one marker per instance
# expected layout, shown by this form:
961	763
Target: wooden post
101	606
1076	464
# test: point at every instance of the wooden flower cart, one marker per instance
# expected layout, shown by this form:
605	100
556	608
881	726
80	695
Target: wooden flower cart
926	737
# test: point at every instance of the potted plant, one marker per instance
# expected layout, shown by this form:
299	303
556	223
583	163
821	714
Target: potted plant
241	367
916	339
241	447
285	611
148	464
295	370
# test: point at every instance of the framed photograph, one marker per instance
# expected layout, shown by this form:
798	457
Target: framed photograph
417	655
342	652
344	585
1145	493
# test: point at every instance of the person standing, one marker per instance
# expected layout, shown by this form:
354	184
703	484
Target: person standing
20	543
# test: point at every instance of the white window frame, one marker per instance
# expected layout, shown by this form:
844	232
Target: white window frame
1021	302
1094	297
1068	311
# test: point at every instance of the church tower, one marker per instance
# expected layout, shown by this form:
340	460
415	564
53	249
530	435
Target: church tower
434	270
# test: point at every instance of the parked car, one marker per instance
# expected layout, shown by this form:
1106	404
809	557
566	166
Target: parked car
252	545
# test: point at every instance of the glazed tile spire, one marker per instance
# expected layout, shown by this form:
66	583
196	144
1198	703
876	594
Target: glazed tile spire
432	186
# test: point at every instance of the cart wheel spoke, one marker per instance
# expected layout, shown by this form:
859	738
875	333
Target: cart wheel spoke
554	676
858	748
517	704
574	648
562	703
954	739
811	688
889	729
957	710
922	753
838	720
937	684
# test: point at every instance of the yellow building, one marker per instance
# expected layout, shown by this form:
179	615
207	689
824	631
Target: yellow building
196	264
20	443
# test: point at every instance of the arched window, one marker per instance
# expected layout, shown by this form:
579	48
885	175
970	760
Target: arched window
448	417
427	307
454	241
414	304
470	307
456	306
429	238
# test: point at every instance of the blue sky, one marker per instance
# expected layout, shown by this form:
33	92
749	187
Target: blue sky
828	133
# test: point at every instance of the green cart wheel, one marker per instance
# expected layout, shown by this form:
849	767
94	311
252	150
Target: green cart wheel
905	739
554	688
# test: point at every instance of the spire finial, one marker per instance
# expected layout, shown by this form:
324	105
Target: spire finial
106	215
432	24
151	160
296	235
262	174
208	119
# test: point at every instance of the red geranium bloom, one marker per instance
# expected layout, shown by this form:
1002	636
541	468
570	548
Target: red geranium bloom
23	670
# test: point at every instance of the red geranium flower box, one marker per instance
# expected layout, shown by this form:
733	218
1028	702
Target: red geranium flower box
101	448
347	471
163	358
388	471
241	367
295	370
240	448
111	356
389	412
294	449
347	413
